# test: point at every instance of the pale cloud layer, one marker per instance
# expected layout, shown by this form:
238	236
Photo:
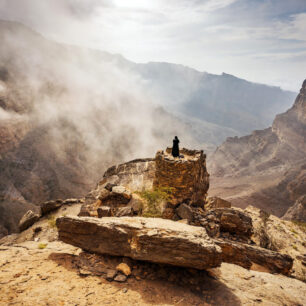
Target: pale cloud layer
259	40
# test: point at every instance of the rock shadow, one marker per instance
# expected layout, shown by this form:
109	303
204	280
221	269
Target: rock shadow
157	284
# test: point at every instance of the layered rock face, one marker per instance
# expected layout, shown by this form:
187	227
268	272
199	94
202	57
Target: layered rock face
165	241
268	168
150	239
187	175
135	175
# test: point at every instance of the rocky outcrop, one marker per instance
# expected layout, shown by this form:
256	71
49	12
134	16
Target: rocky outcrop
266	169
49	206
149	239
135	175
187	175
234	221
230	223
185	179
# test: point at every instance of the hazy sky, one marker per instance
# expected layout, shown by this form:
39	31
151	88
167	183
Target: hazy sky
259	40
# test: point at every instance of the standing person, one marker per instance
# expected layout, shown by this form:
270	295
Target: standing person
175	148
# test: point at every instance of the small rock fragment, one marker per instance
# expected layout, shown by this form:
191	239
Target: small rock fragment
109	186
124	268
120	278
110	275
83	272
104	211
124	211
185	212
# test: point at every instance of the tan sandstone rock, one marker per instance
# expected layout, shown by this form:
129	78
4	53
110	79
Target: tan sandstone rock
250	256
149	239
124	268
216	202
27	220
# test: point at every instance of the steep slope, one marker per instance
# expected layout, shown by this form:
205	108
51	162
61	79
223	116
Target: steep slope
266	169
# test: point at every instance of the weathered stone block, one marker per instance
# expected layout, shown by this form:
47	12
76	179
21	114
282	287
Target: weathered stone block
150	239
28	219
104	211
187	176
246	255
49	206
124	211
185	212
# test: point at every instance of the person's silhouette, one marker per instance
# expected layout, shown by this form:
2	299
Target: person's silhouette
175	148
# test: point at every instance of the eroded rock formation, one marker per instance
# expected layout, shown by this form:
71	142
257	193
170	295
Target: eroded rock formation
151	239
187	175
164	241
186	178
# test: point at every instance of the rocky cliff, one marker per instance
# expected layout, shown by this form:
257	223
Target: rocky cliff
172	182
267	168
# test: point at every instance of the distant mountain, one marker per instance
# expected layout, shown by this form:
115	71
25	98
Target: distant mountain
266	169
224	100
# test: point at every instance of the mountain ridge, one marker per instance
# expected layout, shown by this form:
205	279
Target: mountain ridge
267	168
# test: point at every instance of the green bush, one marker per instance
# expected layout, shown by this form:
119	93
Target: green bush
42	245
52	221
153	198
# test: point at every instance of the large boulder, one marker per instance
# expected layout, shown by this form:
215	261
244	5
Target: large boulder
28	219
150	239
49	206
185	212
135	175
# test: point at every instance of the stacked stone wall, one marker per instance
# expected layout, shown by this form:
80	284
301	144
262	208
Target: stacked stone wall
187	175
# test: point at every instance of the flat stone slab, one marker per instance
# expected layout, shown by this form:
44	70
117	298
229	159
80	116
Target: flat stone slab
246	256
150	239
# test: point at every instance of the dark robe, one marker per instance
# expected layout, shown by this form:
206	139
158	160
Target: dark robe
175	148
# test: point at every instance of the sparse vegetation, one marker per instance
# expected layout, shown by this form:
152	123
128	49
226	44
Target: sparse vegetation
294	232
301	225
154	198
52	221
42	245
295	247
